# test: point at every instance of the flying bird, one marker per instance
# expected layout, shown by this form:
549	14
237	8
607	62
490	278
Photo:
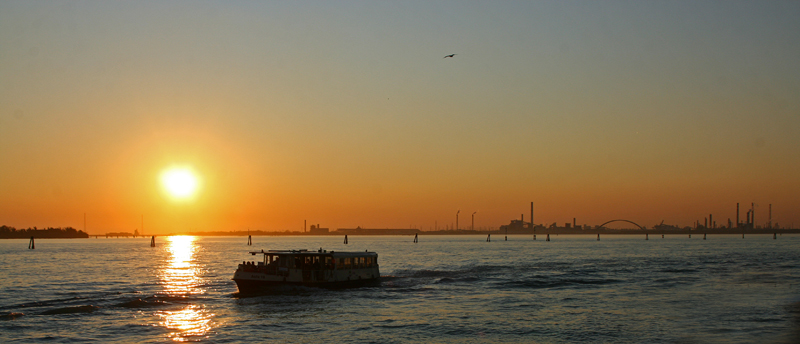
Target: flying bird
451	55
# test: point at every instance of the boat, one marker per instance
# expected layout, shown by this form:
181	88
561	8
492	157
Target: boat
321	268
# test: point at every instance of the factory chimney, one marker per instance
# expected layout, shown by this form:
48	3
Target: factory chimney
531	214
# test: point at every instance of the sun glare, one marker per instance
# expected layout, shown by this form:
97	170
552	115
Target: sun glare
179	182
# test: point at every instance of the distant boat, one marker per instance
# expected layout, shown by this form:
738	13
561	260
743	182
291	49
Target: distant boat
321	268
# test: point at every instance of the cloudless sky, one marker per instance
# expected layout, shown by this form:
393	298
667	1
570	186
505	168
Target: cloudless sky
346	113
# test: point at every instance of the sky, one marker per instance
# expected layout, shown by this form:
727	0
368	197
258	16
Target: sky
347	114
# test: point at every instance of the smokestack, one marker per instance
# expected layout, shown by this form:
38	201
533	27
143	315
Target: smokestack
711	220
573	222
753	214
737	215
531	214
304	226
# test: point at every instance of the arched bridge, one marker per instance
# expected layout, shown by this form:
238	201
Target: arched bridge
628	221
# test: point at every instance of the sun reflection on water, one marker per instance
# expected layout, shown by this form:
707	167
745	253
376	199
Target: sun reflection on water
180	279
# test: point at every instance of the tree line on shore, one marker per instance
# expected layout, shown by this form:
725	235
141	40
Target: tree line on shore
7	232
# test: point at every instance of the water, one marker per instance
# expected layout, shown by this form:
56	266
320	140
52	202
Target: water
445	289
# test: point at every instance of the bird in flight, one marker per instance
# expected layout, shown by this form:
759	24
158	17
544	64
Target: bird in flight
451	55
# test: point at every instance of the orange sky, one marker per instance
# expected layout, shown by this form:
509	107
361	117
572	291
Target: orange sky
347	115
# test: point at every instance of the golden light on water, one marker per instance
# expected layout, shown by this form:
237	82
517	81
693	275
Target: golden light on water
180	278
188	324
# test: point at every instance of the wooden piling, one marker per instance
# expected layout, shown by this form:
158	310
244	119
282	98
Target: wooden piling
249	240
416	238
31	245
704	236
153	241
598	236
345	239
489	238
548	237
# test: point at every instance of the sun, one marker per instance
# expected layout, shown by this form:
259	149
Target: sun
179	182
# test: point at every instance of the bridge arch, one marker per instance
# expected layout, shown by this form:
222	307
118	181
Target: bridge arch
620	220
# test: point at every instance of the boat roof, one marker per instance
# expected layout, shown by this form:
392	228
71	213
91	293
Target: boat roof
315	253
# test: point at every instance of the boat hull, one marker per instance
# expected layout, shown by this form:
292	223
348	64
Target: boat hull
248	286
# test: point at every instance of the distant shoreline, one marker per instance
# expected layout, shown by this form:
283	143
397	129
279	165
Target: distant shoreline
538	233
71	233
7	232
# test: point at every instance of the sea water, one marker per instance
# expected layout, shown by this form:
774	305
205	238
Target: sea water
444	289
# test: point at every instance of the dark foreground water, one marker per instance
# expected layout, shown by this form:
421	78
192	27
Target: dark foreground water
445	289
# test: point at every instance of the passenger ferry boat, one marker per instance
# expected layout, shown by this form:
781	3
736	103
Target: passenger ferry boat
307	268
